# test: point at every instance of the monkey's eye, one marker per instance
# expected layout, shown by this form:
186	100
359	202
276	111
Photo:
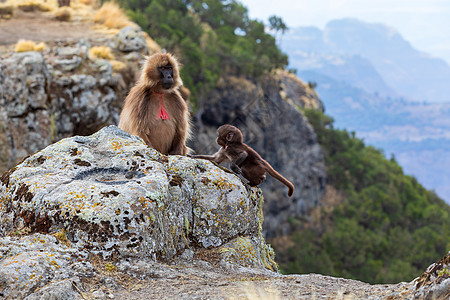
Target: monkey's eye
163	68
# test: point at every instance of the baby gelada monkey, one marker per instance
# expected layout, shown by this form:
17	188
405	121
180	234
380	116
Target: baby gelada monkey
244	160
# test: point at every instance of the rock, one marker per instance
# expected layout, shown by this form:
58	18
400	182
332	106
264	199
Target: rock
67	65
297	92
40	266
24	119
34	261
66	289
277	130
434	283
130	39
115	196
24	84
68	51
62	93
47	96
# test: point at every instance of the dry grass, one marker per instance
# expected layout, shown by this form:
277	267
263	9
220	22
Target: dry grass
112	16
27	45
82	8
6	10
40	47
88	2
100	52
36	5
152	46
117	65
63	14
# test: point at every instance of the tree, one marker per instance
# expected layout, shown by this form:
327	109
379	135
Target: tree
276	24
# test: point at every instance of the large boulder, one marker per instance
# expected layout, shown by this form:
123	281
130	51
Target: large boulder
114	196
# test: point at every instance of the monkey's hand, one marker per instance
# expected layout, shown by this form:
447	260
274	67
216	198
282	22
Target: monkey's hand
234	167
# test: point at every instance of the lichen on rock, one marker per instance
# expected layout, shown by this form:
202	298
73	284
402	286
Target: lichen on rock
114	196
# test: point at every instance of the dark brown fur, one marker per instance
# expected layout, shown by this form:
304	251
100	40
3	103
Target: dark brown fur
139	115
244	160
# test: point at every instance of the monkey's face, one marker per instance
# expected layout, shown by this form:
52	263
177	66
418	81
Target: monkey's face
166	76
228	134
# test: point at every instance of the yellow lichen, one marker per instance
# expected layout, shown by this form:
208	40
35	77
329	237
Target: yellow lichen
110	267
55	264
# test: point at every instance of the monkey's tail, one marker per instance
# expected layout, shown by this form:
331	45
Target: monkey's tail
278	176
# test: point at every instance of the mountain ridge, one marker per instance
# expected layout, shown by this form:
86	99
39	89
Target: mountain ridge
401	65
378	112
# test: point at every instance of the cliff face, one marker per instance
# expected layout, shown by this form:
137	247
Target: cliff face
268	113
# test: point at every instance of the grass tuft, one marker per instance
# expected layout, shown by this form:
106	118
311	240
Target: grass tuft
112	16
35	6
63	14
100	52
27	45
6	10
117	65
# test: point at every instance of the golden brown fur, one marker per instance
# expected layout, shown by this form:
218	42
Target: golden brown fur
139	115
244	160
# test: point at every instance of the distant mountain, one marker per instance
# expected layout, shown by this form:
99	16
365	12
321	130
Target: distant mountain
418	134
367	76
349	42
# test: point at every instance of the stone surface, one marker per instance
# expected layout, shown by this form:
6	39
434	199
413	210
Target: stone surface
61	92
434	283
272	124
34	261
115	196
130	39
40	266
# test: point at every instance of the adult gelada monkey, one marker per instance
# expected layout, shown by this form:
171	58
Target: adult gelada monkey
154	108
244	160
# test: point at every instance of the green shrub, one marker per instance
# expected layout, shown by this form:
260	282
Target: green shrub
387	228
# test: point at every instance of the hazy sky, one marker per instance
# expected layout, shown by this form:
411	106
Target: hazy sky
424	23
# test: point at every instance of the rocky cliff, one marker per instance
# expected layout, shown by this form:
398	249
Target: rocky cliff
71	87
268	113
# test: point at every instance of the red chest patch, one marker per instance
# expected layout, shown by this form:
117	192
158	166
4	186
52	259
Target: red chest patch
162	112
